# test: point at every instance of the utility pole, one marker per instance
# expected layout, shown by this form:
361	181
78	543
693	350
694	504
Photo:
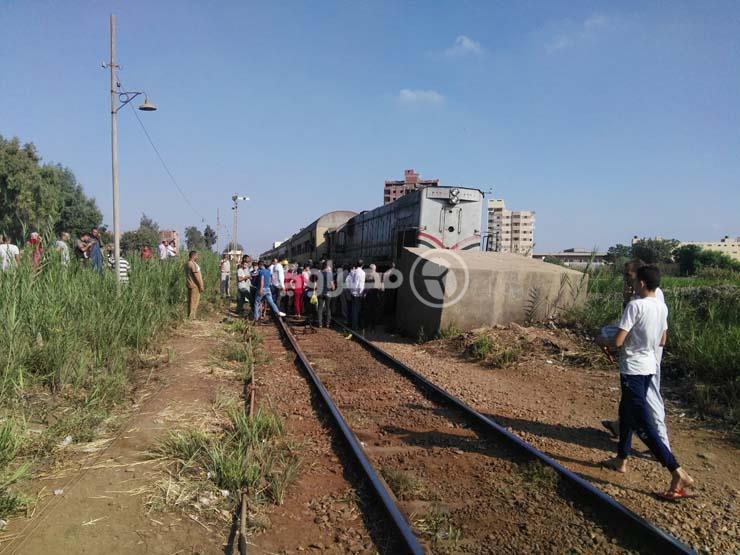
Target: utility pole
218	231
114	150
235	212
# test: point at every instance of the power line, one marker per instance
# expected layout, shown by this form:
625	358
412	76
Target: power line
164	164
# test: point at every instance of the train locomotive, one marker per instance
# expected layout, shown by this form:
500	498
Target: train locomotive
433	217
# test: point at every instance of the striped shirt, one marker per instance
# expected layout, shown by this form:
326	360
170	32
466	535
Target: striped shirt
124	268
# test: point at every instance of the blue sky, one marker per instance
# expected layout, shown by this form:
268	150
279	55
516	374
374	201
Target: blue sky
608	119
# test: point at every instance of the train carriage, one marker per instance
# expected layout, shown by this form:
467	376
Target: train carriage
434	217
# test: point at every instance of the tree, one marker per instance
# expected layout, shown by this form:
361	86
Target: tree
146	235
78	213
209	235
686	258
194	239
653	251
618	252
36	197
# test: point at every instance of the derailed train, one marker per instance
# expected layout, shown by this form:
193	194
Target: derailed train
433	217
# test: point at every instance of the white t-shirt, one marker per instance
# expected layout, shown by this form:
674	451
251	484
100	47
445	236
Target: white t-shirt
658	295
241	273
225	269
162	251
645	320
64	250
278	276
8	253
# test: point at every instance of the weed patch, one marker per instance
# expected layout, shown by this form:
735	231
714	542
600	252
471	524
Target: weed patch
539	476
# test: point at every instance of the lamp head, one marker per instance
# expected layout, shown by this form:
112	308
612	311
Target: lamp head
147	106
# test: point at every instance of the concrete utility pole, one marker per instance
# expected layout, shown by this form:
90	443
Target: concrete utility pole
218	231
235	212
114	148
124	98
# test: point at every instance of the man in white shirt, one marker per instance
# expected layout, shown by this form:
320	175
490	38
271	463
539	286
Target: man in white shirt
656	407
62	247
243	282
9	254
278	280
162	250
642	331
356	284
225	268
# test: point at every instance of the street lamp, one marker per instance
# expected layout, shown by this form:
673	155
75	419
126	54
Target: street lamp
235	209
118	99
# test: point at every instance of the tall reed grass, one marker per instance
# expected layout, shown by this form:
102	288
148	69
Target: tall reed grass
70	326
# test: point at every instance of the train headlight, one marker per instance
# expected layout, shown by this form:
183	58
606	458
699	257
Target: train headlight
454	196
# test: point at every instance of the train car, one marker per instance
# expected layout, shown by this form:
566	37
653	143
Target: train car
433	217
310	242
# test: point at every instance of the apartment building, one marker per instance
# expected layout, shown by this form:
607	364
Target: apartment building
394	190
510	230
727	245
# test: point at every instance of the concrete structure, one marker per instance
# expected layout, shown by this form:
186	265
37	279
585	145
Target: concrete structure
394	190
726	245
474	289
509	230
576	258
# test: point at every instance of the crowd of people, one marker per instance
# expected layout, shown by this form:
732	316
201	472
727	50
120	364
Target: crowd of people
360	295
89	251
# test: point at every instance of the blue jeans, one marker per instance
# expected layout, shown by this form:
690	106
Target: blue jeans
634	416
265	295
355	311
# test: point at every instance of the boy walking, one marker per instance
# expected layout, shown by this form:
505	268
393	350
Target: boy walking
642	332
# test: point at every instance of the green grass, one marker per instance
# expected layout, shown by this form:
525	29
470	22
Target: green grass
403	484
67	338
486	349
249	454
538	476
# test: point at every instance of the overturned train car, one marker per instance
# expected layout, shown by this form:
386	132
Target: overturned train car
434	217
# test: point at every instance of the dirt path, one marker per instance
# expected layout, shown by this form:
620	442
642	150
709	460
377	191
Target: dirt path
557	406
102	506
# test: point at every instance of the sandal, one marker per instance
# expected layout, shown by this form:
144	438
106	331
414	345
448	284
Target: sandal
676	495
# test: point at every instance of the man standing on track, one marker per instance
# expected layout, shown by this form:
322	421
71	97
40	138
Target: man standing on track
326	286
356	285
225	268
194	283
264	293
243	283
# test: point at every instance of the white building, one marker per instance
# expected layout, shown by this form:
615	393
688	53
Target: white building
510	230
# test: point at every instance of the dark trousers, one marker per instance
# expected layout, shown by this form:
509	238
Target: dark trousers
324	308
356	303
241	297
634	417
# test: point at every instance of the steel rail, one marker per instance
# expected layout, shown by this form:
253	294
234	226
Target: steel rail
655	539
405	534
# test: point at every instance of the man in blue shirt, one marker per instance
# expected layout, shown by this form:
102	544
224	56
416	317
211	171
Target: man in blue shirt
264	276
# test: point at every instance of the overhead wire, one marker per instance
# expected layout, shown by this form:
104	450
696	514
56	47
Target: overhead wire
161	159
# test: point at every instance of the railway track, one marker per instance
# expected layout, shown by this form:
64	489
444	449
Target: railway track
449	478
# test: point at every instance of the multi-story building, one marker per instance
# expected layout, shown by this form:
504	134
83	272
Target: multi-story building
509	230
727	245
394	190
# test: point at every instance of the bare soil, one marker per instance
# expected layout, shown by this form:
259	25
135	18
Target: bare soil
461	492
95	502
555	395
